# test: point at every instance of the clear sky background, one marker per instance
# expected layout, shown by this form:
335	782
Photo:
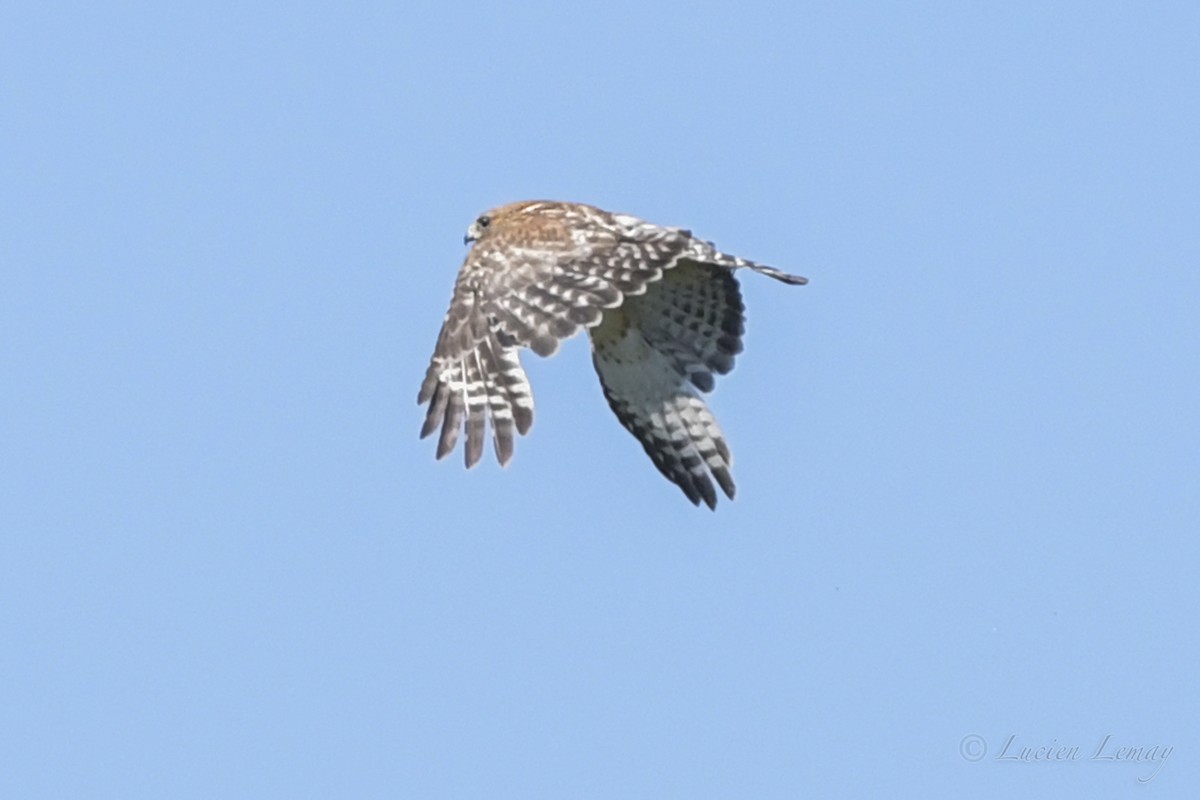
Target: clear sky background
967	452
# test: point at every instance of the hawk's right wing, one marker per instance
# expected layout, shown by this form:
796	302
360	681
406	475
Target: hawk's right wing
652	354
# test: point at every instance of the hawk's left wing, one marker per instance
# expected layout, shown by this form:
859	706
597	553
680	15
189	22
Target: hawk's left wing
542	272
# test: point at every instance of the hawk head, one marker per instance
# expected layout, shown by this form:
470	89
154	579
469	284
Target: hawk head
477	228
536	219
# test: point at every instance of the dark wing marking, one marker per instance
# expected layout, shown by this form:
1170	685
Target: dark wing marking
697	316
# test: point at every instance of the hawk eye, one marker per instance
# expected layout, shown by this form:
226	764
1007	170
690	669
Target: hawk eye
484	221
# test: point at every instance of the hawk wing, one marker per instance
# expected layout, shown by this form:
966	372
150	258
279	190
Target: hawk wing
530	286
652	354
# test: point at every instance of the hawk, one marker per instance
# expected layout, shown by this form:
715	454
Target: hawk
662	308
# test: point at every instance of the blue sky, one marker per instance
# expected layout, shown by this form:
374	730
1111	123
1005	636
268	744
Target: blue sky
967	452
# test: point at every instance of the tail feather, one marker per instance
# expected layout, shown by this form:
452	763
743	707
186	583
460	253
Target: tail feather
708	252
777	274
